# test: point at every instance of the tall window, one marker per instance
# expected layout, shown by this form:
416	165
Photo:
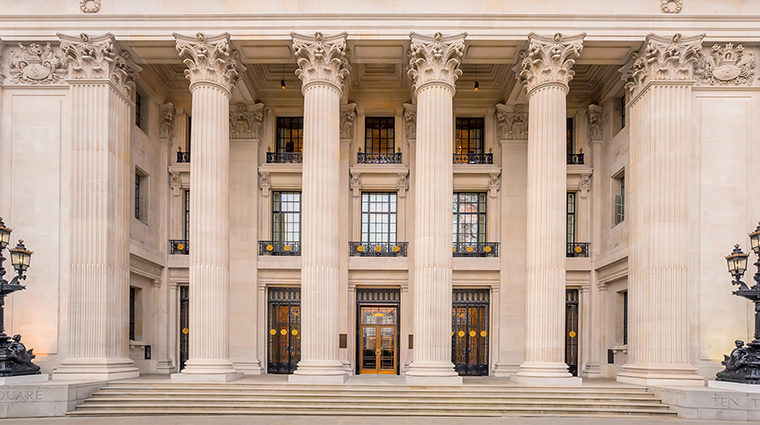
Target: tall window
570	137
132	297
570	217
189	132
469	135
286	216
378	217
622	111
187	215
290	134
379	134
137	195
619	185
469	217
625	318
138	106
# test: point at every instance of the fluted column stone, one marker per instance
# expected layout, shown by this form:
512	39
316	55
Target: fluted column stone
434	68
545	71
322	68
213	70
101	78
659	82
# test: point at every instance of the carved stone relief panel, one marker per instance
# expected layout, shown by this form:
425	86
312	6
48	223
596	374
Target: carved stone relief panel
726	65
36	64
246	121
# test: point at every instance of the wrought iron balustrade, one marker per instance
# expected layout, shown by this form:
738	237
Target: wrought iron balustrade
183	157
578	249
378	249
378	158
575	158
284	157
279	248
473	158
179	246
475	249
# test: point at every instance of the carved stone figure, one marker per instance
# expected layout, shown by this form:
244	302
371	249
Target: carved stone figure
165	130
727	65
36	64
245	123
512	125
347	118
410	121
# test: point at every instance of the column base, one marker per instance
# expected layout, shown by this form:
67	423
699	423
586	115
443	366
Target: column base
248	367
24	379
205	377
592	370
505	370
95	370
165	367
660	375
207	371
319	372
545	374
432	373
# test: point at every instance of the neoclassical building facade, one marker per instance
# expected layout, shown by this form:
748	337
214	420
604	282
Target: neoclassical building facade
543	191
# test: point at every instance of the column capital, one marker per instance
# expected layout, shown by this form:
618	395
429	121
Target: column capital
99	58
548	60
435	59
322	59
210	60
662	59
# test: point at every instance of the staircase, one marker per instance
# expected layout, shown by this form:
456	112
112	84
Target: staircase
125	398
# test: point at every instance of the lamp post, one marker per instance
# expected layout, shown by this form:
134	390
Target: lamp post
743	365
15	359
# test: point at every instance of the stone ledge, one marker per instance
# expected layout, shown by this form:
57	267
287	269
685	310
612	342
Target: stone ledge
711	403
52	398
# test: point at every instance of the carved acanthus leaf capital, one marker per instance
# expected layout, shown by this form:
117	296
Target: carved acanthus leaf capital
347	118
727	65
513	122
166	129
322	59
246	121
210	60
410	121
435	59
36	64
99	58
662	59
549	59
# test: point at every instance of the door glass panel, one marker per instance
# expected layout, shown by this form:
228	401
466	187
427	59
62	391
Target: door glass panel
387	349
369	346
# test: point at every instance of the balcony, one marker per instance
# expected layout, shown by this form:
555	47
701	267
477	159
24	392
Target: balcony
578	249
473	158
378	158
378	249
183	157
284	157
575	159
475	249
279	248
179	247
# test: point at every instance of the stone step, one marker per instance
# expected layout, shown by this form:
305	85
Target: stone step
372	390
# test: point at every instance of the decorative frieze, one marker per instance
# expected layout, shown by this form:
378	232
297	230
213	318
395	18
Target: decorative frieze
727	65
246	121
662	59
513	122
549	60
36	64
410	121
322	59
435	59
347	118
166	127
99	58
210	60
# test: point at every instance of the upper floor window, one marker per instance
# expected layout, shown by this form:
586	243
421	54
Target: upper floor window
469	217
570	218
138	177
286	216
469	135
379	135
379	217
138	107
619	190
187	215
289	134
570	137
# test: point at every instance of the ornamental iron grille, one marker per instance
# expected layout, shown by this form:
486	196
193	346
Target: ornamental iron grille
289	134
571	330
377	336
469	331
184	324
469	223
284	336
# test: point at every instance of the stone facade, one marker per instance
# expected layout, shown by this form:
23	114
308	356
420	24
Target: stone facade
647	124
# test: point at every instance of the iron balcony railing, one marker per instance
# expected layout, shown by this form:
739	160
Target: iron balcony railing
578	249
475	249
284	157
183	157
378	158
378	249
179	246
575	159
279	248
473	158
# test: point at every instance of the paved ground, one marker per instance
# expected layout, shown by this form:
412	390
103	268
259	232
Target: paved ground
343	420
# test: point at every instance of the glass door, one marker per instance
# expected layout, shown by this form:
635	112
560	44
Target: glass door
378	337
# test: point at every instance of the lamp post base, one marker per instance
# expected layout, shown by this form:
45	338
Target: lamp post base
743	365
15	359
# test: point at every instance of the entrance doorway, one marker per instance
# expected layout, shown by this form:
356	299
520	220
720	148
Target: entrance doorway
284	336
469	331
184	325
378	330
571	331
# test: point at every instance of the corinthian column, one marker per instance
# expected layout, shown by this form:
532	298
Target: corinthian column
659	81
213	70
101	78
322	68
545	72
434	68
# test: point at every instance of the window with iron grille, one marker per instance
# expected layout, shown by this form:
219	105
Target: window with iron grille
570	217
379	135
286	216
189	133
132	296
187	215
470	137
469	217
289	134
378	217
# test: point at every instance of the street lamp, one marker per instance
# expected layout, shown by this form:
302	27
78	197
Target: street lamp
15	359
743	365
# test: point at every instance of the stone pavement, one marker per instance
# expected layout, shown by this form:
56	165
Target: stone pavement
344	420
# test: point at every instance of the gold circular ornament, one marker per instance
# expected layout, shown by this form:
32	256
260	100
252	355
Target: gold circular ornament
469	249
286	248
185	331
181	247
472	333
452	333
578	249
272	332
461	334
378	248
270	247
396	248
294	331
284	332
360	248
453	249
483	333
487	249
572	334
